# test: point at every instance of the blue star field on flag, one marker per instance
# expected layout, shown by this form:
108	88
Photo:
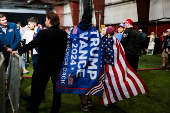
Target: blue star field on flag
109	52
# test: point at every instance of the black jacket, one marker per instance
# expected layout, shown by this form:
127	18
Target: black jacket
132	41
52	46
84	25
166	42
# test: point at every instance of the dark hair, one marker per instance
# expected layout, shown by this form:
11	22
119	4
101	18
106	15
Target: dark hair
54	18
19	23
87	16
110	31
2	15
33	19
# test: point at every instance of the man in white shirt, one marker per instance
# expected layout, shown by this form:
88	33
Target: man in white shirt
29	35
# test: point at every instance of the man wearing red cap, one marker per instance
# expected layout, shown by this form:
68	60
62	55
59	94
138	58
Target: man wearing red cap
132	43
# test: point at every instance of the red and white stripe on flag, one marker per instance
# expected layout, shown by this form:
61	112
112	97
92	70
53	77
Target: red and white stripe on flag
121	81
75	30
98	87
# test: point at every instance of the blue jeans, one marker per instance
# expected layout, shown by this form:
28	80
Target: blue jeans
23	61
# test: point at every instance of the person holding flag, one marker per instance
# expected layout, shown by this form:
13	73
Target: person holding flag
121	81
81	72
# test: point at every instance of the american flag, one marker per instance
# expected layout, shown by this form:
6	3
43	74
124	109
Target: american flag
75	30
121	81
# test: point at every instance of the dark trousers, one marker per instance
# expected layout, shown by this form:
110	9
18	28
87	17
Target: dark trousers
133	61
169	58
7	57
35	74
41	84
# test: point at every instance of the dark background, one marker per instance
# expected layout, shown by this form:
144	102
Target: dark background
22	17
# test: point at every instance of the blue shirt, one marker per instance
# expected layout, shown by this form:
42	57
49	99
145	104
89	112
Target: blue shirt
12	36
143	35
119	36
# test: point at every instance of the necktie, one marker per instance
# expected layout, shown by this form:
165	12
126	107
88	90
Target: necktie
34	35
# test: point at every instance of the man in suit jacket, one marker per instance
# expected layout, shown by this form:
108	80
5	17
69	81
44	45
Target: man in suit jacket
52	46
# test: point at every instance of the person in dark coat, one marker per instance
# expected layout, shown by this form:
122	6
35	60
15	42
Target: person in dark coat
165	40
52	46
132	44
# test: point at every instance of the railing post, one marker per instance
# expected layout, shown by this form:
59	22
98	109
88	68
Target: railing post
2	84
14	68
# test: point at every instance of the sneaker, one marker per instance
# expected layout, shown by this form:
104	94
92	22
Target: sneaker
83	107
25	71
106	105
168	70
89	103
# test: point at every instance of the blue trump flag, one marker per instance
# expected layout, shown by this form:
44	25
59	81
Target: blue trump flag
82	70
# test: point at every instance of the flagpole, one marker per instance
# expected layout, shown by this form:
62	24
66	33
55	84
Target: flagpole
100	12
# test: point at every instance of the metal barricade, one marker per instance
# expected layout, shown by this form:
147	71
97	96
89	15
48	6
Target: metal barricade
2	84
14	79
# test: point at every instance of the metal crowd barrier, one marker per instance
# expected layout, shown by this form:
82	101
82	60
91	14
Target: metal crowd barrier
14	79
2	84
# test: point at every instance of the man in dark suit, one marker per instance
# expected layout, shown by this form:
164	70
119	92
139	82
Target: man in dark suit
52	46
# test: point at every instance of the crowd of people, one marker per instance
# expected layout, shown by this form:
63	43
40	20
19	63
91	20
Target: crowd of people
49	46
166	48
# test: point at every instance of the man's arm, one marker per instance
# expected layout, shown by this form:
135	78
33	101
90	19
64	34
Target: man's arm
34	43
17	38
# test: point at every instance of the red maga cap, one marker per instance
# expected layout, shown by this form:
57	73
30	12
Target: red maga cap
129	21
